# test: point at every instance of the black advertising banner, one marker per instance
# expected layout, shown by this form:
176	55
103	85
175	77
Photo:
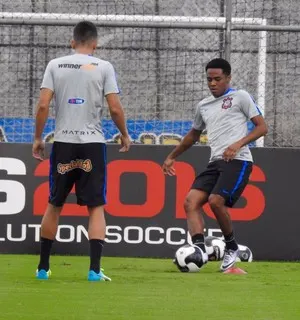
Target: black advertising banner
145	216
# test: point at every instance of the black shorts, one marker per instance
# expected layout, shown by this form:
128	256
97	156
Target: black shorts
227	179
82	165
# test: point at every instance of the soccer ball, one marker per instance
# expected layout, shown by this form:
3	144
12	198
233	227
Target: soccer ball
245	254
189	258
215	248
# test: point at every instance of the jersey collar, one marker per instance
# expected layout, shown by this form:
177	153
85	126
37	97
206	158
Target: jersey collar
84	54
228	91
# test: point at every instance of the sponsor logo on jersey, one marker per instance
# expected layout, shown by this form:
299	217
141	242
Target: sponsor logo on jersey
227	103
69	66
89	67
78	66
76	101
85	165
79	132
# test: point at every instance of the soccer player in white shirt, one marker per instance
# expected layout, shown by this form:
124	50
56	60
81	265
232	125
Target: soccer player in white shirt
224	114
78	83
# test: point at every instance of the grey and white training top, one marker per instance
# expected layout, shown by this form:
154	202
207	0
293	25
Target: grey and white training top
225	119
79	82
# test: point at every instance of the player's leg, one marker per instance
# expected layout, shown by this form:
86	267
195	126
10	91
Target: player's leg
219	208
91	191
48	232
196	198
231	183
217	204
96	231
60	184
195	222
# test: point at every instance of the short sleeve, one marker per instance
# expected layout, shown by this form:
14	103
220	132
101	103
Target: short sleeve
198	120
48	81
110	81
248	105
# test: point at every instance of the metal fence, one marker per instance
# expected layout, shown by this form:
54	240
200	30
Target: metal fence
159	50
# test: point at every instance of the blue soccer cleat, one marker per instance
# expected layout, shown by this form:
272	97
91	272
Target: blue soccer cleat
93	276
43	274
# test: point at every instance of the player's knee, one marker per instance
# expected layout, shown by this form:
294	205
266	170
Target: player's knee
54	210
216	202
189	205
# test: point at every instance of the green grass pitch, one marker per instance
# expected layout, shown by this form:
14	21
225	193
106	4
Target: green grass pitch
147	289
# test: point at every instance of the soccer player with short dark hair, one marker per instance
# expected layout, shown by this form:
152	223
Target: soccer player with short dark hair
78	83
224	114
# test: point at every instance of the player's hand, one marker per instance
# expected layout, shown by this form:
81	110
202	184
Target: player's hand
231	151
38	149
168	167
125	143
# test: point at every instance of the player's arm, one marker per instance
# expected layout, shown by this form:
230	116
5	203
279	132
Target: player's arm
252	112
117	115
42	112
111	92
191	138
259	130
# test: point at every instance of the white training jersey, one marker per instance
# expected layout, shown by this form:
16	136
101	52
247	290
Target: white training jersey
79	82
225	119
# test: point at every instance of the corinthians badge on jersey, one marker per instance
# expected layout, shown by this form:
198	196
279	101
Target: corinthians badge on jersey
227	103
